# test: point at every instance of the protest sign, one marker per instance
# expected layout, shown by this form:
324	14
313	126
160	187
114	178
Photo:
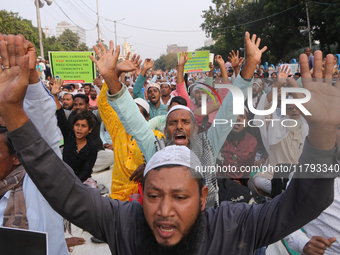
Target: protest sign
294	68
198	61
23	242
72	66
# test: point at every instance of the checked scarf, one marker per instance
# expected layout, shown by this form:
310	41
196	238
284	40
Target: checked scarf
15	212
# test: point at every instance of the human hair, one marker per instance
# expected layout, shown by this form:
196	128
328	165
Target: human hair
68	93
145	113
87	84
84	116
193	174
72	85
178	100
82	96
7	142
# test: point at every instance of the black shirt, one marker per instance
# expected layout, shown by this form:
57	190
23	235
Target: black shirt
95	134
82	162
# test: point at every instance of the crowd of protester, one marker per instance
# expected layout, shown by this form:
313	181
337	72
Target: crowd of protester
134	120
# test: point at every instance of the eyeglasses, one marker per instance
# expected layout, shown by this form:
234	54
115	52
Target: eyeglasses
291	108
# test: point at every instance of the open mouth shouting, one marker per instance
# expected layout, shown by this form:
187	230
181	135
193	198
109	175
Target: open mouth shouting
180	137
166	229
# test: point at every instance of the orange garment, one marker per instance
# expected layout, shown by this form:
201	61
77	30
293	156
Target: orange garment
127	155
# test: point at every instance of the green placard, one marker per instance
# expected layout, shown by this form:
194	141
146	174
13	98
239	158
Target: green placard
198	61
72	66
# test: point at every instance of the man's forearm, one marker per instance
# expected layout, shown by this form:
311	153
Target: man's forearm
180	77
70	198
113	83
248	69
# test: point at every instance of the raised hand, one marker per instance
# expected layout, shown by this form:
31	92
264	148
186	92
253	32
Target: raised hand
254	54
128	65
14	77
324	104
107	59
219	60
235	60
183	59
56	87
282	75
24	47
148	64
252	47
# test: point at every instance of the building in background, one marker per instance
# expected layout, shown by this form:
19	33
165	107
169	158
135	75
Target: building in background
174	48
62	26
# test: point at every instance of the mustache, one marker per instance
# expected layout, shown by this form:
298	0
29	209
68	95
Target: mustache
168	220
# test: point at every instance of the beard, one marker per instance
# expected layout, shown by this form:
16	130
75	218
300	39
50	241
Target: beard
297	127
236	136
171	140
148	245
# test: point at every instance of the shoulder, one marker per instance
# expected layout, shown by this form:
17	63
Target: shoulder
251	138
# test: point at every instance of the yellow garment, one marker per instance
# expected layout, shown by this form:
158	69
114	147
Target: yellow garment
127	155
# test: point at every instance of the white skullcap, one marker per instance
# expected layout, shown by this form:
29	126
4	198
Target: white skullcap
179	107
153	85
200	86
167	83
142	103
174	155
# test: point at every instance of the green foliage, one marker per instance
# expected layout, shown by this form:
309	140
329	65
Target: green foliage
11	23
168	61
69	40
228	20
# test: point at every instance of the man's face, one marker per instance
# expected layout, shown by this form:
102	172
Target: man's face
93	94
172	203
68	102
87	90
165	90
307	51
7	162
256	75
127	83
79	105
153	95
173	87
273	76
292	111
198	96
178	127
241	118
256	89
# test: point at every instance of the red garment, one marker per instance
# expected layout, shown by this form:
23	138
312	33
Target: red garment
93	102
222	93
242	155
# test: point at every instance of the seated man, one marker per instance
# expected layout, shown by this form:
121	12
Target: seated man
180	124
173	219
239	150
285	143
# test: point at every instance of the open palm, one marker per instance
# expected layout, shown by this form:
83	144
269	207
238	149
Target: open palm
324	104
107	59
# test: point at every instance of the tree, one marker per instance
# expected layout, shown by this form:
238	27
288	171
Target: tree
277	22
168	61
69	40
11	23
